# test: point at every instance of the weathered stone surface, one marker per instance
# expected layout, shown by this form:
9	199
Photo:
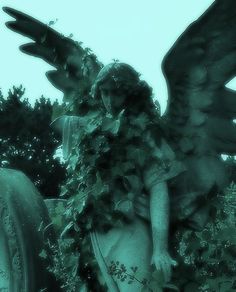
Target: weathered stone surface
23	218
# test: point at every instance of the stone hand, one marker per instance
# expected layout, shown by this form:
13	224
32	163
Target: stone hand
163	263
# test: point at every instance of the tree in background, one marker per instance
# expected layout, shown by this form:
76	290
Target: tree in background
28	143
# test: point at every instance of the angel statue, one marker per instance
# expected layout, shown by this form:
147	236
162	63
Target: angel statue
136	174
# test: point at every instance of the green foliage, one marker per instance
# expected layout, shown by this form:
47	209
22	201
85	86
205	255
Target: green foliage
65	265
87	188
28	142
83	189
230	164
122	273
130	275
207	258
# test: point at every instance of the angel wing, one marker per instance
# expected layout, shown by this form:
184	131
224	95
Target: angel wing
201	109
76	67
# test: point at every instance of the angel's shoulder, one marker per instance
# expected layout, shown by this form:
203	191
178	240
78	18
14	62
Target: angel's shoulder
158	146
162	164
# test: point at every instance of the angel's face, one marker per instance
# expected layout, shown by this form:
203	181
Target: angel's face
112	98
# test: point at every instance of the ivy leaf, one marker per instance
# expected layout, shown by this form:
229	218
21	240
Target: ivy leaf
136	154
141	121
73	161
127	166
116	171
101	144
91	126
112	125
132	182
67	228
99	188
43	254
90	122
52	22
79	201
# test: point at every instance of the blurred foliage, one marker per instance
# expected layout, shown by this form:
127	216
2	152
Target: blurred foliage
230	163
28	143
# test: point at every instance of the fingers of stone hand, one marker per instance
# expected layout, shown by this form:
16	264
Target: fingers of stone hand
152	261
174	263
164	265
166	269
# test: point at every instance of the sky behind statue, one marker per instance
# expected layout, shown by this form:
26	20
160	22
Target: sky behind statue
136	32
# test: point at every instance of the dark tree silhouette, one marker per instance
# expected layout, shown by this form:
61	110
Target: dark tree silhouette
28	142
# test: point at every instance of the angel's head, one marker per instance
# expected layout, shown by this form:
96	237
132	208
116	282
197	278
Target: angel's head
119	86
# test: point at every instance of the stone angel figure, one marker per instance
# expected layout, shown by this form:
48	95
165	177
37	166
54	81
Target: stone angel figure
155	171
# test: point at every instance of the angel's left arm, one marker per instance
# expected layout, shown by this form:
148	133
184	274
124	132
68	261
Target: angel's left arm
159	213
156	175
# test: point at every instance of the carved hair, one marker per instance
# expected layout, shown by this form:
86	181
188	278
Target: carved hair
126	80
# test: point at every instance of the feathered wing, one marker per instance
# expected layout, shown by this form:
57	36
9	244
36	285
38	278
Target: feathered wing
76	67
201	109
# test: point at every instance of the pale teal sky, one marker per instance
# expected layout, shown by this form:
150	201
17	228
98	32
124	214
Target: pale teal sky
134	31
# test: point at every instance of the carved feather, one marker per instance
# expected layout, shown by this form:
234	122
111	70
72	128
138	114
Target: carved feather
73	62
197	68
